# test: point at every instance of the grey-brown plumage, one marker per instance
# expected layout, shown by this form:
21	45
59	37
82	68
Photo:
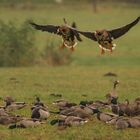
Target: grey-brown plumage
122	124
68	121
112	97
62	104
69	36
134	122
26	123
129	109
105	117
11	105
5	120
40	112
105	37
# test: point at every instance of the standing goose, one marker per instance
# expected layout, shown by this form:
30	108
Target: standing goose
67	33
105	37
112	97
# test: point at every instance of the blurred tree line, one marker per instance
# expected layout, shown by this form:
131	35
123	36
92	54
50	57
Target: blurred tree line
61	1
32	4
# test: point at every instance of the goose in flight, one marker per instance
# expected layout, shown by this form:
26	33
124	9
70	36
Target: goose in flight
105	37
68	34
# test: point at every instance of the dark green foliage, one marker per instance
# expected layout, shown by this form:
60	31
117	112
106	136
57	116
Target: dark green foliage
16	44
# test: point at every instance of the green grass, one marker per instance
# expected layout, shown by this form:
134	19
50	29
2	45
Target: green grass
83	76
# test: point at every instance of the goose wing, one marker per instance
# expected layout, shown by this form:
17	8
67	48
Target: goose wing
47	28
116	33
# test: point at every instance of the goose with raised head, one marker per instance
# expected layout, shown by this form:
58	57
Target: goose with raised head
112	97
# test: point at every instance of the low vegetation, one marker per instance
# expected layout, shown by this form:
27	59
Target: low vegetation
54	56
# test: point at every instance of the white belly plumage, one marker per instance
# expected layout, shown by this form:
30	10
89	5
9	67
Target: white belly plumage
69	44
107	49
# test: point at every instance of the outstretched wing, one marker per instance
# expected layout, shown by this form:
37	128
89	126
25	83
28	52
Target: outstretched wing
116	33
77	35
47	28
90	35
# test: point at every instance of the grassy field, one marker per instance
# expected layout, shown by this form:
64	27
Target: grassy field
83	76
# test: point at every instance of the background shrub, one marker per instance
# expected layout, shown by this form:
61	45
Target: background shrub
16	44
53	55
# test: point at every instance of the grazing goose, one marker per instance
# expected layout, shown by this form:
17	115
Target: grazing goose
133	109
62	104
122	123
120	108
74	121
77	111
105	117
40	112
69	35
134	122
105	37
128	109
26	124
80	112
5	120
90	106
90	110
3	112
67	111
68	121
11	105
100	104
113	121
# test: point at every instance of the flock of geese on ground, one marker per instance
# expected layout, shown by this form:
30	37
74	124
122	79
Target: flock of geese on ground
120	115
